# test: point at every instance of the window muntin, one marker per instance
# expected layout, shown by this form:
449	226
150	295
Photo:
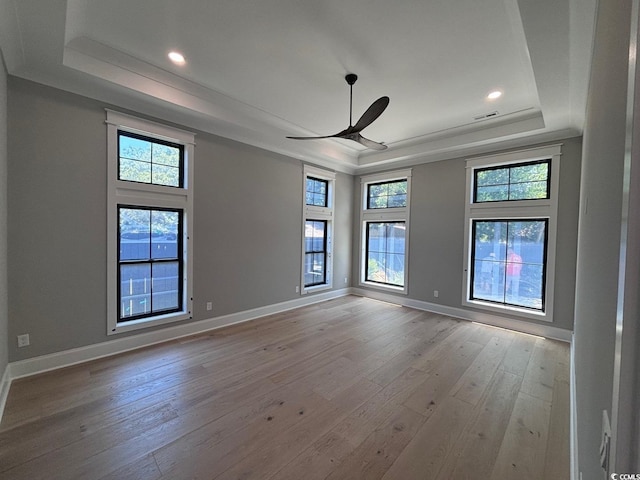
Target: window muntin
385	253
508	262
149	160
315	253
150	262
391	194
521	181
316	192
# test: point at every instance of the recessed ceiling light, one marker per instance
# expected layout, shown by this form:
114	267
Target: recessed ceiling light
495	94
177	58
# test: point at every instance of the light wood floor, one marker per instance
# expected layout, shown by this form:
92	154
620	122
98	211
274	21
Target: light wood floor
347	389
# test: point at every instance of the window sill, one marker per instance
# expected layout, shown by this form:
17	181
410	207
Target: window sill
521	313
316	288
385	288
148	322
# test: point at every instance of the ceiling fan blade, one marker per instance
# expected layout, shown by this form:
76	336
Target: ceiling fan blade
312	138
373	112
369	143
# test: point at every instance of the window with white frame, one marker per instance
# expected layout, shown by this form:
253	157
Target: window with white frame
149	223
510	227
317	229
384	219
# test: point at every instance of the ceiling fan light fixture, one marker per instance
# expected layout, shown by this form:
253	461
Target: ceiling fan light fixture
176	57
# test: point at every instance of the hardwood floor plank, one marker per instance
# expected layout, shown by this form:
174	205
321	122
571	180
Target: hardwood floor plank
475	453
281	449
365	419
442	378
523	450
380	449
317	461
427	451
556	465
539	377
472	385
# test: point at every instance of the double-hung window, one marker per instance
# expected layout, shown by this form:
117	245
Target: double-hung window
317	230
384	218
149	220
510	231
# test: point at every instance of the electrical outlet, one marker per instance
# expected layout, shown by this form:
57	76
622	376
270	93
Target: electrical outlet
209	305
23	340
346	280
436	293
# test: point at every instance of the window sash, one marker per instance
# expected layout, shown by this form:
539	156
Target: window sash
152	166
151	261
508	184
313	252
389	256
313	194
505	275
387	185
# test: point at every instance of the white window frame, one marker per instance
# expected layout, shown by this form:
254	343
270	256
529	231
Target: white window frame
121	192
312	212
368	215
514	210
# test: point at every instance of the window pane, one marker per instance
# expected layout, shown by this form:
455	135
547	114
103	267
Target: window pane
135	289
528	191
508	262
166	280
135	148
530	173
164	234
166	155
495	176
135	234
385	252
494	193
163	175
135	171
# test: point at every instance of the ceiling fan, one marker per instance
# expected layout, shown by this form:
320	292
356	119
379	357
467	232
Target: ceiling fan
352	132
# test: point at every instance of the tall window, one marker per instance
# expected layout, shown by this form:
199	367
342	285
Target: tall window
385	225
510	226
150	206
317	265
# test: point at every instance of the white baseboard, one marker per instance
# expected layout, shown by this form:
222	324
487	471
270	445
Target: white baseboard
547	331
573	418
5	383
44	363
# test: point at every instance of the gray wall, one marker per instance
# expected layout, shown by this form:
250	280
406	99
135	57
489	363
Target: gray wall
599	229
436	240
4	345
247	227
